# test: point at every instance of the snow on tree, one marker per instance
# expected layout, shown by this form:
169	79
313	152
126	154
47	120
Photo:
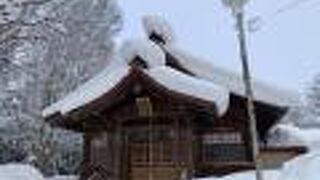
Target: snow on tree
314	96
300	116
47	49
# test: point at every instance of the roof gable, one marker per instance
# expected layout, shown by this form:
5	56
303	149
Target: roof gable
168	80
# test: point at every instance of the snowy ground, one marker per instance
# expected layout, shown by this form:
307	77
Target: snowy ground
302	168
26	172
63	178
305	167
19	172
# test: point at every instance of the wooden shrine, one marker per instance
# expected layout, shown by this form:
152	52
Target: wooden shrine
142	130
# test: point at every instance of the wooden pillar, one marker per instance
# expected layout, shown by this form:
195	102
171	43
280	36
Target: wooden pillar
176	147
190	140
117	152
124	165
86	156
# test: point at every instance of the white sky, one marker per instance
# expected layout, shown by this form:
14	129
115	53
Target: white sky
285	52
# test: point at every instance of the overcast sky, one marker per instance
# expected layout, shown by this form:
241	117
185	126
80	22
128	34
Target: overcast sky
285	52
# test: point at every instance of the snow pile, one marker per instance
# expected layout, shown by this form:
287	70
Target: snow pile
305	167
288	134
91	90
230	80
182	83
19	172
63	178
147	50
268	175
159	26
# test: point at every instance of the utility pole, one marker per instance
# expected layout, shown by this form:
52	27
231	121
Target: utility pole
237	7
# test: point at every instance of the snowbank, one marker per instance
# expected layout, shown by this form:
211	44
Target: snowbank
306	167
268	175
63	178
19	172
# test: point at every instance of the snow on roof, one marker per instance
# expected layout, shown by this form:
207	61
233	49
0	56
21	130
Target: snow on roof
19	172
166	76
147	50
211	83
180	82
208	83
289	134
230	80
158	25
91	90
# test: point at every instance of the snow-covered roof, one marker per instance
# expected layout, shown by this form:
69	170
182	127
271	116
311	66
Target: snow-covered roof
147	50
91	90
289	134
232	81
180	82
209	82
166	76
205	69
155	58
158	25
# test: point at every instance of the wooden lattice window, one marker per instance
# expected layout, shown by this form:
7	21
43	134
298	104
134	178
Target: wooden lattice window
223	138
223	147
158	141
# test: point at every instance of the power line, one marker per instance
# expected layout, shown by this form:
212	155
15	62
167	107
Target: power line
290	6
256	23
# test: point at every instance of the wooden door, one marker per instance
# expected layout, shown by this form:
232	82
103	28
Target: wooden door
152	154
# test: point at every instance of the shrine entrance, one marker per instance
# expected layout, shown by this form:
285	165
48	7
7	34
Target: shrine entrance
157	152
